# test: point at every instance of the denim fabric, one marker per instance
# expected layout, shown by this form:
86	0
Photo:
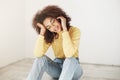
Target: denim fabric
58	69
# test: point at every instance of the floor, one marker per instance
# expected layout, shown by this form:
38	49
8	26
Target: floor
20	70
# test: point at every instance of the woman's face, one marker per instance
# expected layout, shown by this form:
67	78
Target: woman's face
52	24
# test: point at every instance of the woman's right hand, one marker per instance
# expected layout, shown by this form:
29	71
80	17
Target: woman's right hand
43	29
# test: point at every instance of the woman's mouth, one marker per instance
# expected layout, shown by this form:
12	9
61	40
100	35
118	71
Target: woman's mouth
56	28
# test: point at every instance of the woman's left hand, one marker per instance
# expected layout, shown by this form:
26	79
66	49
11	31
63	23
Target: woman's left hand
63	22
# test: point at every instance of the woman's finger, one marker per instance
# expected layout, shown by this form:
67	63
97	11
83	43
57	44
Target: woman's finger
60	17
40	25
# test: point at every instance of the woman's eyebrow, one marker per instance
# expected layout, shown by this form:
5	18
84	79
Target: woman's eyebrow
49	22
51	19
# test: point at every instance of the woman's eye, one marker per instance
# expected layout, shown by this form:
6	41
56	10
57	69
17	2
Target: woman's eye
51	23
53	20
48	27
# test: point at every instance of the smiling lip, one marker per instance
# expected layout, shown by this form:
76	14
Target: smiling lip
56	28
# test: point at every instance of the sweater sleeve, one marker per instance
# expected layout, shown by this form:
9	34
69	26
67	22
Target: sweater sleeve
71	42
40	47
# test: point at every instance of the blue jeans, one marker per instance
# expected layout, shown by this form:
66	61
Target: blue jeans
60	69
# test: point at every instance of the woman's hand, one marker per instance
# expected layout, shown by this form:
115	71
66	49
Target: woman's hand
63	22
43	29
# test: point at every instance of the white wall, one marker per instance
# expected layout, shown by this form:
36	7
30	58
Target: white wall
99	21
100	40
12	31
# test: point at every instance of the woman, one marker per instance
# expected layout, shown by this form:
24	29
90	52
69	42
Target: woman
52	25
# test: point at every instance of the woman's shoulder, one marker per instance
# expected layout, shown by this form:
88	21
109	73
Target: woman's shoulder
74	29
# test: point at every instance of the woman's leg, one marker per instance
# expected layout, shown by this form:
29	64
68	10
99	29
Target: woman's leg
41	65
78	73
69	67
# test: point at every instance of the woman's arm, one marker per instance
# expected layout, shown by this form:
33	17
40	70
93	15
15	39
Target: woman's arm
71	41
41	46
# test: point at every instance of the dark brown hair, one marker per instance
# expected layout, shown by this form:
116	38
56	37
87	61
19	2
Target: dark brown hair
49	11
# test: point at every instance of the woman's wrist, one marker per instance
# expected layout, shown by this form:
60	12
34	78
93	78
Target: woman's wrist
42	33
64	29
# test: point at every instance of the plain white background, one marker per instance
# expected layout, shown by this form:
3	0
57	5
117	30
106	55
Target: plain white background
98	20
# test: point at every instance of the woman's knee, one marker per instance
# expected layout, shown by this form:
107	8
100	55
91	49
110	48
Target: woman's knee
71	60
78	73
41	60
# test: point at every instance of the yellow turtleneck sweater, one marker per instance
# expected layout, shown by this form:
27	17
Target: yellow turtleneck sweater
65	46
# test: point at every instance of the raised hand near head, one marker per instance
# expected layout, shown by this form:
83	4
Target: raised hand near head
43	29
